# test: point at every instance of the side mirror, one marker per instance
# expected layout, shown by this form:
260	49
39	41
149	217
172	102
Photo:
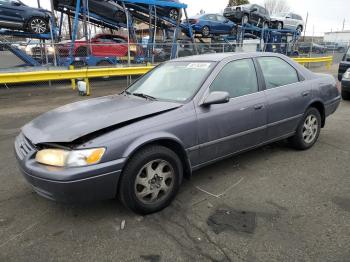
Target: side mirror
216	98
254	10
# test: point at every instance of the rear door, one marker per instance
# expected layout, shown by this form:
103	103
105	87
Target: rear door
287	96
240	124
11	13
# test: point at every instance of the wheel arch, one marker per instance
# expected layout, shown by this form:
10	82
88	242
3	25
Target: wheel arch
166	140
321	108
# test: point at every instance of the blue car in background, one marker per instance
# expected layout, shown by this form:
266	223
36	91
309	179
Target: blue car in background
212	24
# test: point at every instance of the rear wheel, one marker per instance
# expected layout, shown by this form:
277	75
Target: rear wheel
38	25
300	29
120	17
174	14
308	130
205	31
345	95
150	180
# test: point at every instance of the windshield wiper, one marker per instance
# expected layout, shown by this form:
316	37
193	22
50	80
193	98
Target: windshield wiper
144	96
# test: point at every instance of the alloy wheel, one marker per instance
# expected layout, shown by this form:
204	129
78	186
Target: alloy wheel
154	181
38	26
205	31
174	14
310	129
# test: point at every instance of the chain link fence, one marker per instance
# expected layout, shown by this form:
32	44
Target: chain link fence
108	52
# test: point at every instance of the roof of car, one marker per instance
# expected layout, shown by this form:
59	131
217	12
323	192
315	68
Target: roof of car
216	57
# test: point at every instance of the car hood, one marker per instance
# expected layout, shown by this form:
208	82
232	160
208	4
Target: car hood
73	121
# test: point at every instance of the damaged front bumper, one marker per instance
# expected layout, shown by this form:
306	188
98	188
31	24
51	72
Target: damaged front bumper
80	184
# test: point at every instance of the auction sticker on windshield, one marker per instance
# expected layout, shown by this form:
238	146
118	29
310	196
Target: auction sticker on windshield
199	65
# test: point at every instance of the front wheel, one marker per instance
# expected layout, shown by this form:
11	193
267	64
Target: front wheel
38	25
308	130
150	180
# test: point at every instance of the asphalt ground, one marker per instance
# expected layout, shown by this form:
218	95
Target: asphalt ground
300	202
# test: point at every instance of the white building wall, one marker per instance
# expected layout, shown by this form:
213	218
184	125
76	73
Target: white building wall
337	37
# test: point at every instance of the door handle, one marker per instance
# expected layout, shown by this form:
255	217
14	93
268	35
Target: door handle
258	107
306	93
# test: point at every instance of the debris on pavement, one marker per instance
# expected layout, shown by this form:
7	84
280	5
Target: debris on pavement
229	219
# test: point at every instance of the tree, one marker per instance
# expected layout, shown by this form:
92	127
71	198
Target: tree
276	6
237	2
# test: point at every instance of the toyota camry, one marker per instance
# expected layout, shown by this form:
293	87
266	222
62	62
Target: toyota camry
181	116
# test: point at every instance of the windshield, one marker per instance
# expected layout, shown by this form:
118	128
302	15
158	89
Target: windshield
175	81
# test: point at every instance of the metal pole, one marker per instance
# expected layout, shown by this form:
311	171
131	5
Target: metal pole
307	18
38	1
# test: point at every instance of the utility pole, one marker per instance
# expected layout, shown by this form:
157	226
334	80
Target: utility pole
343	24
307	18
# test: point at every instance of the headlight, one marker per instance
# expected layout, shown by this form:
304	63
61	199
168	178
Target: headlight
51	50
347	74
65	158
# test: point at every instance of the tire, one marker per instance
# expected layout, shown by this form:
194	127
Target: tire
205	31
303	138
233	31
300	29
345	95
245	19
174	14
120	17
136	181
279	25
82	51
38	25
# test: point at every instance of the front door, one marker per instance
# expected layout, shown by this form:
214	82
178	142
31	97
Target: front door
287	96
240	124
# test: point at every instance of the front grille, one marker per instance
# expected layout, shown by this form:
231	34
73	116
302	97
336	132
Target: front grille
24	146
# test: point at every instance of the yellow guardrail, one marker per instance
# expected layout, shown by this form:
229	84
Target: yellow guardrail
87	73
54	75
306	60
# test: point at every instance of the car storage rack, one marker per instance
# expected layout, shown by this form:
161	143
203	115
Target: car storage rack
147	15
271	37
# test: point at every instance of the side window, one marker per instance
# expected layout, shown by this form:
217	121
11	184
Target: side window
277	72
238	78
221	18
211	17
5	1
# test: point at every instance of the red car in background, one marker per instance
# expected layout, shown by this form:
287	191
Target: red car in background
102	45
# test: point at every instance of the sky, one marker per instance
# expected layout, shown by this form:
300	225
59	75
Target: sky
324	15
